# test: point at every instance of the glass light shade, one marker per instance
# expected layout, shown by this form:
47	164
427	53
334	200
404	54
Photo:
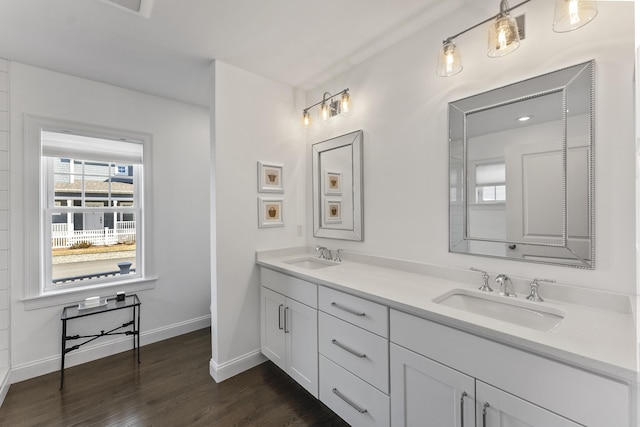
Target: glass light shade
572	14
503	37
345	103
306	119
324	113
449	62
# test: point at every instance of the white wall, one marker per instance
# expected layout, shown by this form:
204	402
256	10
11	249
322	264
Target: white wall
179	206
255	119
402	107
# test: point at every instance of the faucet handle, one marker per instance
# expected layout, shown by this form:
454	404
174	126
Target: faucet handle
321	251
485	276
535	295
337	257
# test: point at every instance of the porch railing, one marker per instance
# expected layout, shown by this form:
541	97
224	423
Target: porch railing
124	231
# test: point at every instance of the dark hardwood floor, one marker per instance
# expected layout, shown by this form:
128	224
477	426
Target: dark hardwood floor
171	387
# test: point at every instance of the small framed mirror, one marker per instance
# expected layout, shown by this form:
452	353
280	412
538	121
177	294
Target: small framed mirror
521	164
337	187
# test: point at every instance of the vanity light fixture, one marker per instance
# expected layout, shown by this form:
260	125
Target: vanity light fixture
504	38
506	32
572	14
330	106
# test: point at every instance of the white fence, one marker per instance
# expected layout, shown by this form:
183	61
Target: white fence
61	237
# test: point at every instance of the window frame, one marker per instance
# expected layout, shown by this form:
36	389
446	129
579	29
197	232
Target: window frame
36	292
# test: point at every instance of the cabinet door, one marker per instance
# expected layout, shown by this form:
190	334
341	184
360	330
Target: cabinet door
496	408
272	337
301	332
427	394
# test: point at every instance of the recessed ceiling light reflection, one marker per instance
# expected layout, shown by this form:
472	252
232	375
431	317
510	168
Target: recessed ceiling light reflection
524	118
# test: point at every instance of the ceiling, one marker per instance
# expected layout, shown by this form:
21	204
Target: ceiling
296	42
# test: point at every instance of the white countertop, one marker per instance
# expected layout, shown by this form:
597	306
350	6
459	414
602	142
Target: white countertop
601	340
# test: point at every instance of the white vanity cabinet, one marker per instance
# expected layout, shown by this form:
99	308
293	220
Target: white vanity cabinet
354	357
289	326
432	365
427	393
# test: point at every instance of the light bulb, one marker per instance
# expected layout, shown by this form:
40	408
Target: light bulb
574	15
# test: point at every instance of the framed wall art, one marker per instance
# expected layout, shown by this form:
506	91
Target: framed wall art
270	178
270	212
333	212
332	183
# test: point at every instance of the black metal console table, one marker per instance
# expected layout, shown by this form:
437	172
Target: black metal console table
74	312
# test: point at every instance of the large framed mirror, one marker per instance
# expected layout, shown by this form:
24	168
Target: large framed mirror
521	163
337	187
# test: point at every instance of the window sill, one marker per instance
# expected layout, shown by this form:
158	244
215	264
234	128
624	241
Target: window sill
70	296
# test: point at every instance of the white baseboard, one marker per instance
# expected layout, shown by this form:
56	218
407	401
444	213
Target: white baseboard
4	385
226	370
89	353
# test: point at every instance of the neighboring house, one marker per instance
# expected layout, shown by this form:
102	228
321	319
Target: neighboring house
101	180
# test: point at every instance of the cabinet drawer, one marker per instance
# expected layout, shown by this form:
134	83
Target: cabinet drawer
360	352
292	287
360	312
355	401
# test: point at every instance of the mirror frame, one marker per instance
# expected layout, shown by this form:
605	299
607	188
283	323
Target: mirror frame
556	81
353	140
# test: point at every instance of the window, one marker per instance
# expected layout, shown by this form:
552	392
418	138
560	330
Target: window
93	219
490	179
90	195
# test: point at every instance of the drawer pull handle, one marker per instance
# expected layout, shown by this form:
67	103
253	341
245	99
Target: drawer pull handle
462	396
280	316
347	309
484	414
349	401
286	331
345	348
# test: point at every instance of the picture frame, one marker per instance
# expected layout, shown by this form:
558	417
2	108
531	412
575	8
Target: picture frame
270	212
270	178
332	183
333	212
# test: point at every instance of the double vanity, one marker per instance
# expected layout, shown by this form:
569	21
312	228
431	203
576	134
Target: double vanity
387	342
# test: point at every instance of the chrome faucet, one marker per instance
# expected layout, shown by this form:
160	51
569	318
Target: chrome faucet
323	253
506	286
485	276
534	295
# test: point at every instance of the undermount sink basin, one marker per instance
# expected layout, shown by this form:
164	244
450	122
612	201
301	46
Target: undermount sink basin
523	313
311	263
